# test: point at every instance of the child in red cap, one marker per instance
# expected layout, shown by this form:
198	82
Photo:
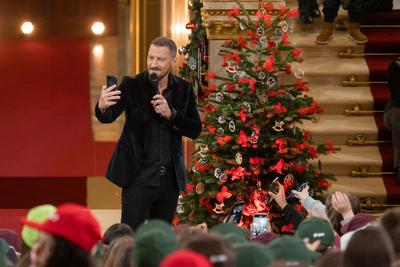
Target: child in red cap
66	238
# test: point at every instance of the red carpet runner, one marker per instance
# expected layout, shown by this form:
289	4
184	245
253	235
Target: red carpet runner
46	143
383	40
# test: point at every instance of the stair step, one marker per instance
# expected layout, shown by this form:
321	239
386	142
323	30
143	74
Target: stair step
361	186
350	158
336	99
335	69
306	40
340	128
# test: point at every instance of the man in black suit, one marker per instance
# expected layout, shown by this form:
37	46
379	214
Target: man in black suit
148	161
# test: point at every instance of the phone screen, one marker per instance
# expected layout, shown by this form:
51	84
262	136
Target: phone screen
259	225
236	213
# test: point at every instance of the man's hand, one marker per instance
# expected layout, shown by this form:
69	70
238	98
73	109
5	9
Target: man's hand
161	107
303	194
108	97
279	197
341	203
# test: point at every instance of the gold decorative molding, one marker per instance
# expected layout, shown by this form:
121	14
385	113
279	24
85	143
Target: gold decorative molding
222	12
364	171
374	205
357	110
361	140
349	53
354	82
222	30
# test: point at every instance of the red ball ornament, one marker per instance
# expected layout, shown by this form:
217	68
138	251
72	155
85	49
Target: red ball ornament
191	25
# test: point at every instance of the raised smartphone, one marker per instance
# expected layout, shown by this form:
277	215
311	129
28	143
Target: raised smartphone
111	80
299	188
236	213
259	224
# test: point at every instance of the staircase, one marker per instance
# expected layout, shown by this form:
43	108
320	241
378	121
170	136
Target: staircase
359	169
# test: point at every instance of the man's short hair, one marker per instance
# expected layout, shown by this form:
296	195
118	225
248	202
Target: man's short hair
165	42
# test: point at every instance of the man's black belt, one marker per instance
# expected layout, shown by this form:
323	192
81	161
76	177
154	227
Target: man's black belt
164	170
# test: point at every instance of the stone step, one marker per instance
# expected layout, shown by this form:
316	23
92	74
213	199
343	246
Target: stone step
340	128
335	99
306	40
335	70
350	158
361	186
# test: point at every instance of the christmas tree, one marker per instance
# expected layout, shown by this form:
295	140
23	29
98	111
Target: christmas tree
250	125
195	52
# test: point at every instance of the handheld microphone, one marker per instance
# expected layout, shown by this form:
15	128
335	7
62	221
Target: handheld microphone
154	81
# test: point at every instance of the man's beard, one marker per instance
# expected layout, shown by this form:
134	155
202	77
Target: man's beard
163	74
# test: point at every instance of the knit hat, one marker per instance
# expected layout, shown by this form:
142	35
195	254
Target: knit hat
252	255
290	248
4	248
314	229
37	214
153	241
230	231
72	222
11	237
185	258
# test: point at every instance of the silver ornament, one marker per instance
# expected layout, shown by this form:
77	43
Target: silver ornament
236	76
260	30
262	75
217	172
242	25
247	106
284	26
219	96
278	127
278	33
238	158
220	131
192	63
254	137
203	160
242	74
221	119
179	207
232	126
263	40
271	82
290	96
263	99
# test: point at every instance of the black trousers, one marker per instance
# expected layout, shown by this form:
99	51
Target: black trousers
147	202
331	8
392	122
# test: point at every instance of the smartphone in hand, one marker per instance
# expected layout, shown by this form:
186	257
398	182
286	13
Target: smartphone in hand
111	80
299	188
236	214
259	225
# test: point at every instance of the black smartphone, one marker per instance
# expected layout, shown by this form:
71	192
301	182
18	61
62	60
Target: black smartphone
259	224
236	213
299	188
111	80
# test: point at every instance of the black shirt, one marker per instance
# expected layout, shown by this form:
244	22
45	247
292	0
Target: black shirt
157	146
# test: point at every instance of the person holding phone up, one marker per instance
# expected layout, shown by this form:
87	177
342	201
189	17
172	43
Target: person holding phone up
148	160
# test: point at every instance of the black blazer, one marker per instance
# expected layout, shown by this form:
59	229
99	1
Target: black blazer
136	93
